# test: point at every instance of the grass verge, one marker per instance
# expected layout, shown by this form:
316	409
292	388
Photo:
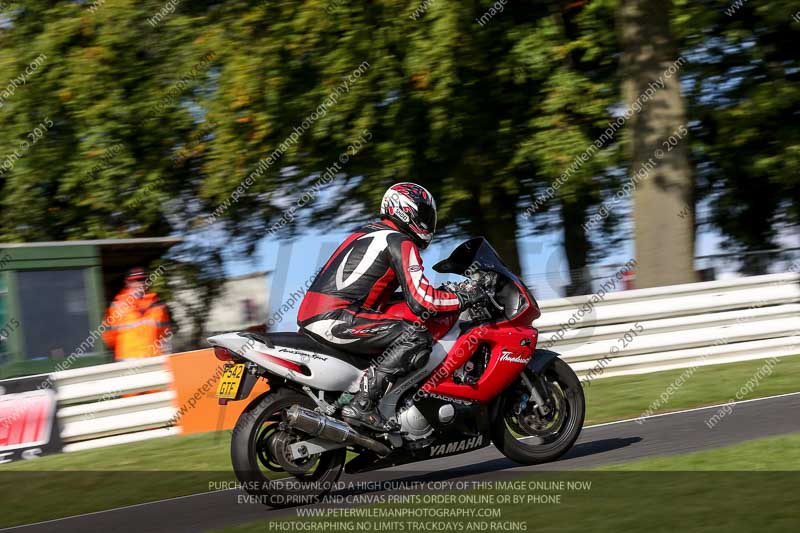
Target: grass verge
774	454
625	397
93	480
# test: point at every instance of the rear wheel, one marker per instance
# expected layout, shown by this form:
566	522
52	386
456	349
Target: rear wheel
262	460
528	434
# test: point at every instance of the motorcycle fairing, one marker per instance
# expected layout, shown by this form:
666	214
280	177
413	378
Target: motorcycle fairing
467	418
511	350
318	369
477	254
511	340
442	446
322	371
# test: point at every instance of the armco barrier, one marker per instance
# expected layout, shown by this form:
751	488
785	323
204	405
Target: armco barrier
679	326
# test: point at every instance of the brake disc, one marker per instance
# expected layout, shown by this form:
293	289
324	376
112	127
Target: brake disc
278	448
532	423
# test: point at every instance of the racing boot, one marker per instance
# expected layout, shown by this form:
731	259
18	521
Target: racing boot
362	411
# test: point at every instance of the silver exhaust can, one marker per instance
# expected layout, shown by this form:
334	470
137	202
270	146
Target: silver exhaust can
325	427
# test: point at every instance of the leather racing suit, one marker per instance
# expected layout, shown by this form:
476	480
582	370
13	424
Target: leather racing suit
343	306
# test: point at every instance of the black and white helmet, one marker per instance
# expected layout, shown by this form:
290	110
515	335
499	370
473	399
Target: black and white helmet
413	209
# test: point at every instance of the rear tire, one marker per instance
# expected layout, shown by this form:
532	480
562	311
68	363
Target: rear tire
251	456
567	395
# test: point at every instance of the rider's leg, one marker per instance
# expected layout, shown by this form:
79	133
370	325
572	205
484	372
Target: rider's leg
408	351
395	346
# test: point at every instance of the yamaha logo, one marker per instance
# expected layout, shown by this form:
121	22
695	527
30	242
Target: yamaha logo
457	446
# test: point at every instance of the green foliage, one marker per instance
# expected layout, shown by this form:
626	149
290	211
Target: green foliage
744	100
486	116
156	125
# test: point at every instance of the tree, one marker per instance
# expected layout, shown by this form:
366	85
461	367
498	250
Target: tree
101	104
473	111
577	58
225	121
744	100
664	240
103	168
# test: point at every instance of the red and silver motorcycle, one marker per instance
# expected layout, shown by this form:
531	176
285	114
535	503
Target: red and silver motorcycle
485	383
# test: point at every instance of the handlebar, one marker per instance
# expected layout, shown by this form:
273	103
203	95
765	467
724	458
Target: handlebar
487	282
494	303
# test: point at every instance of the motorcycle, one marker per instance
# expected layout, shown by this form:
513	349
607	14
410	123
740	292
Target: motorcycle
484	383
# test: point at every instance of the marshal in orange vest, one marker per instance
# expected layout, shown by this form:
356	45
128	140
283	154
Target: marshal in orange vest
137	323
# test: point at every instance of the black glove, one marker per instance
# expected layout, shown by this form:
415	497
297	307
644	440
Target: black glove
469	294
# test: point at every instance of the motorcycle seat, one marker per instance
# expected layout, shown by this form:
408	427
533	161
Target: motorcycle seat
298	341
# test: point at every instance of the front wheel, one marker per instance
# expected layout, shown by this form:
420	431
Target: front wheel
531	434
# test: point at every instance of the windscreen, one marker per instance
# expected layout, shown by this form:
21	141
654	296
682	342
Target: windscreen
474	254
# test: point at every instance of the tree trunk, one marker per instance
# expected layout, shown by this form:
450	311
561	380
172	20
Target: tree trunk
576	247
503	237
662	189
496	219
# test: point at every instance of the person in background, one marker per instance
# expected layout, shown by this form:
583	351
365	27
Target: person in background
138	323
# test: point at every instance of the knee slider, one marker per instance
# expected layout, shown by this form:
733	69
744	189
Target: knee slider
421	347
420	359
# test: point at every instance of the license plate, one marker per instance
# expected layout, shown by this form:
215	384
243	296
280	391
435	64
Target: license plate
229	384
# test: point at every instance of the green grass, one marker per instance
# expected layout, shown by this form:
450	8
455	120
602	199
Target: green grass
606	399
779	454
629	396
202	452
83	482
181	465
704	491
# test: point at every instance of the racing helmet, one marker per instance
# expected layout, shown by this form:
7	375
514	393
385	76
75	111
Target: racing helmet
413	209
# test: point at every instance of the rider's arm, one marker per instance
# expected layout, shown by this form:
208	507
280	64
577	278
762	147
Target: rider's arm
420	295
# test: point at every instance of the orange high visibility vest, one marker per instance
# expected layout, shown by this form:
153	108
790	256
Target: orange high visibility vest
136	327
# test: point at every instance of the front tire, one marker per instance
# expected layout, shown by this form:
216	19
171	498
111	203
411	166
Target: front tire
276	481
523	435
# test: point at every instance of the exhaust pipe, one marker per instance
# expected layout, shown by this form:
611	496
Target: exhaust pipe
327	428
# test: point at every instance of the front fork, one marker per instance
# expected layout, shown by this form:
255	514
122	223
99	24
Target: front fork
534	388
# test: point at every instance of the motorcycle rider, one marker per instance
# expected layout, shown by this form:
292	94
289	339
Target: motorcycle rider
343	306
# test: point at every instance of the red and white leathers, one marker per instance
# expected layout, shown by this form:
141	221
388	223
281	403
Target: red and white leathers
343	307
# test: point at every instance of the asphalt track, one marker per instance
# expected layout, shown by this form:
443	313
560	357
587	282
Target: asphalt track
674	433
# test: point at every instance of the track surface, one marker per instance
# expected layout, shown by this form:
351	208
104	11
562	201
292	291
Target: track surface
617	442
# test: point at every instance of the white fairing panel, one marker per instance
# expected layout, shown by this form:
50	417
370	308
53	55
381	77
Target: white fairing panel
326	372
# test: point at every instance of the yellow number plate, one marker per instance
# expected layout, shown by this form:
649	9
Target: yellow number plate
229	384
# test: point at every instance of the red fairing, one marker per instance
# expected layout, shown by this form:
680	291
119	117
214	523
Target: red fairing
511	349
511	344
